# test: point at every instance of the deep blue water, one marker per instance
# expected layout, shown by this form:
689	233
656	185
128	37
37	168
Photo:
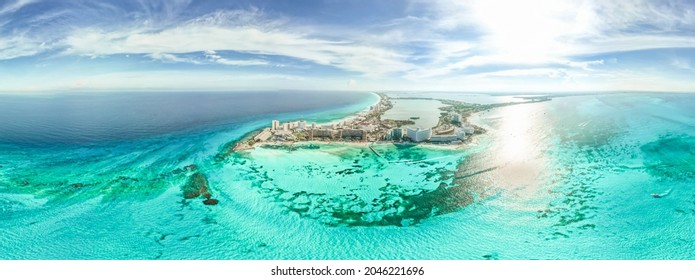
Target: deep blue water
101	176
100	118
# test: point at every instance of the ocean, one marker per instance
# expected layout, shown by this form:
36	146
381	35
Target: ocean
100	176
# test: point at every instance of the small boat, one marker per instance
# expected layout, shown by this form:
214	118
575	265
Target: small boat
660	195
414	118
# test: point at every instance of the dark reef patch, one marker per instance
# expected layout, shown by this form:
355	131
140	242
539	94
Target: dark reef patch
196	186
670	157
291	147
210	201
396	205
578	186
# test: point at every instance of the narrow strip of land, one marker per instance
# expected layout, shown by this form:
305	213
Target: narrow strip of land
369	126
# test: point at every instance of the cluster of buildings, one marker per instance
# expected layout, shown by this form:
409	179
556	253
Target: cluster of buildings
443	134
300	130
365	127
281	131
289	126
418	135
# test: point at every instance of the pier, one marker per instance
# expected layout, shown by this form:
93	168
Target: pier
375	152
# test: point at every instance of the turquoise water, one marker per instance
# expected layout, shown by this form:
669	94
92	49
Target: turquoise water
567	179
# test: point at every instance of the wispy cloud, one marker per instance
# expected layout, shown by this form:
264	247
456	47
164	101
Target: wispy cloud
216	58
167	57
542	72
13	6
20	46
208	57
449	42
584	65
246	32
540	31
18	43
681	63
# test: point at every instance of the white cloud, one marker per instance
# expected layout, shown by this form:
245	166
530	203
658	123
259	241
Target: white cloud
162	11
253	36
14	6
19	43
444	51
584	65
167	57
200	80
542	72
249	62
167	80
499	60
20	46
485	40
214	57
542	30
681	63
210	58
542	38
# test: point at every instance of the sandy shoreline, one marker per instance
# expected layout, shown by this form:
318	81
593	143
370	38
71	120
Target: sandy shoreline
351	117
242	143
468	110
363	144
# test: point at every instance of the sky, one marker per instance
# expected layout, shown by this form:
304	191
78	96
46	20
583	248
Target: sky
435	45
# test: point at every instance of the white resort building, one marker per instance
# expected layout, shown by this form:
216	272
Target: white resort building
455	117
419	134
450	137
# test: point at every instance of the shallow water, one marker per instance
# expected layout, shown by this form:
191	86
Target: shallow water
565	179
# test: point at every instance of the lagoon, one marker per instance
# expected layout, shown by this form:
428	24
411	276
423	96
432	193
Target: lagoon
426	112
566	179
